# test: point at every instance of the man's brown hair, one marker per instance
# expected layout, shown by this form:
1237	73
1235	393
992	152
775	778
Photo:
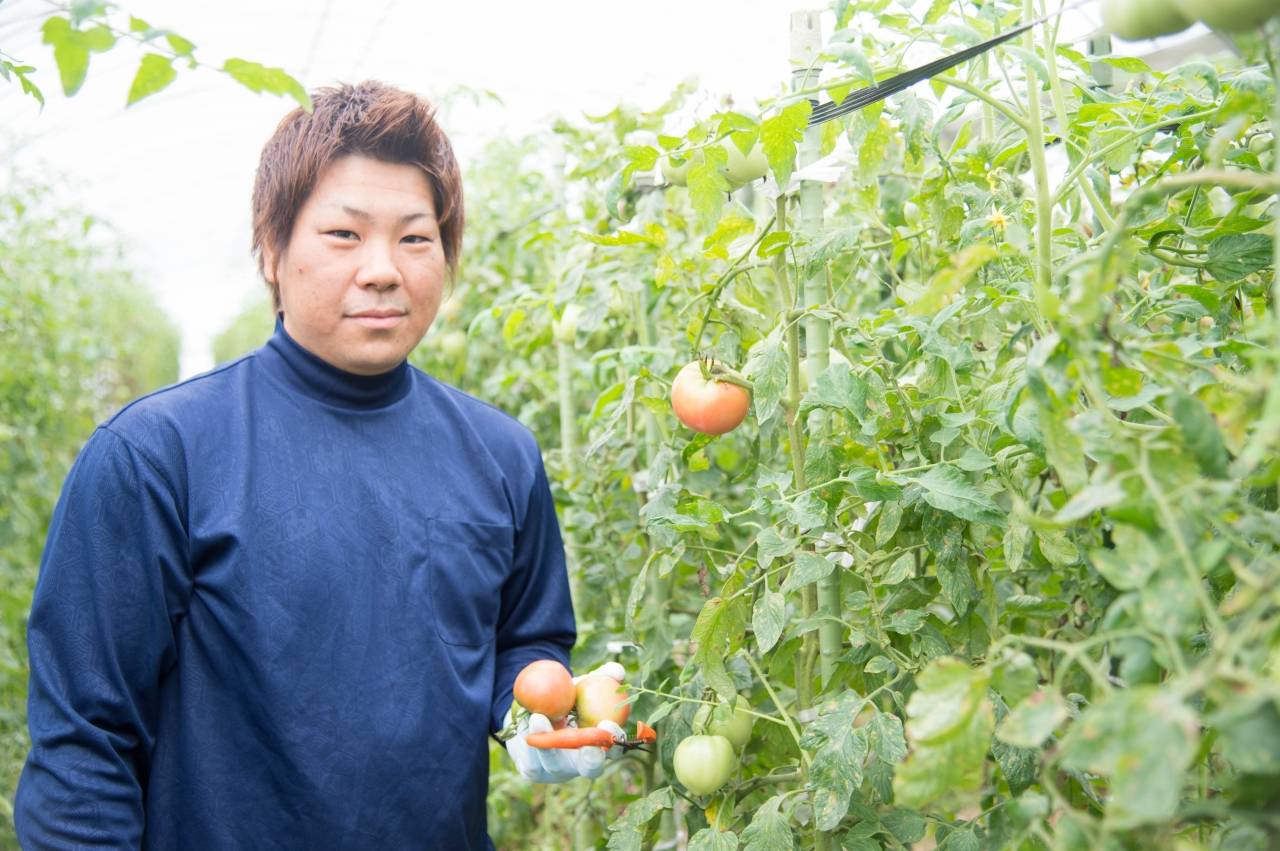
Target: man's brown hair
370	119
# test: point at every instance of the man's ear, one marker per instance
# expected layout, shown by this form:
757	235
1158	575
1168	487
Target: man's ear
269	261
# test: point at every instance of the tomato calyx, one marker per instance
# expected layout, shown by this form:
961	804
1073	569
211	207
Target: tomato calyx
714	370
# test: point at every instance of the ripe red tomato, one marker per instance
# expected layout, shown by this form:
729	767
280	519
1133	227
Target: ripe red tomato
601	698
711	407
704	763
545	687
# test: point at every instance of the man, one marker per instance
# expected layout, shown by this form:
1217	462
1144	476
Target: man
282	604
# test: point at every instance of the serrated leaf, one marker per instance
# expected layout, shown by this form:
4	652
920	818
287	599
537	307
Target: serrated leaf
767	368
902	569
836	770
768	617
708	185
948	692
257	77
1201	434
1238	255
1144	738
769	830
626	834
1016	538
1090	499
718	633
780	135
770	544
712	839
153	75
886	737
809	567
1033	720
839	388
887	525
947	767
946	488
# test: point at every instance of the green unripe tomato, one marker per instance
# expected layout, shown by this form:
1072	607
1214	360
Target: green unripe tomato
704	763
673	173
911	213
744	168
1262	143
1231	16
716	721
1139	19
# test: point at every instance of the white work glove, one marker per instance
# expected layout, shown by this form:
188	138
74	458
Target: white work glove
556	765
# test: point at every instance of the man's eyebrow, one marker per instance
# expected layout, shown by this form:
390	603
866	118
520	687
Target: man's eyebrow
405	219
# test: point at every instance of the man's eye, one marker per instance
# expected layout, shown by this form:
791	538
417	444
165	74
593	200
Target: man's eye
417	240
341	234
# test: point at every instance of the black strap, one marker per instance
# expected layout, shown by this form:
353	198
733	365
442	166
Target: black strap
869	95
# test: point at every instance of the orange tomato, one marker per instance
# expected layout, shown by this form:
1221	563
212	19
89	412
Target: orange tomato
545	687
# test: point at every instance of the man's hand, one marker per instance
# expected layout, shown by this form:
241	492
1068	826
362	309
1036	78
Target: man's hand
556	765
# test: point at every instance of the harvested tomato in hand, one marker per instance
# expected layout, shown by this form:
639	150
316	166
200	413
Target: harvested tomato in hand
601	698
545	687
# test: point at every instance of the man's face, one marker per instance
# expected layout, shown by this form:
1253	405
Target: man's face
362	277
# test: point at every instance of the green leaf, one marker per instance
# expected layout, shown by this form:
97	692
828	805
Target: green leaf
1033	720
72	57
718	633
946	488
768	617
837	387
257	77
948	693
886	738
153	75
1131	562
836	770
950	767
887	525
1015	544
770	544
1200	431
779	136
769	830
1144	739
1238	255
1090	499
902	569
627	833
711	839
952	279
809	567
767	369
708	185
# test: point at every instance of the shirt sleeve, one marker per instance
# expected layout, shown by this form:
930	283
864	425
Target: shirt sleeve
536	619
100	637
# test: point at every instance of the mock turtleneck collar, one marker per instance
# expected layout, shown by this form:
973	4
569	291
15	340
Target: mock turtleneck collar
313	376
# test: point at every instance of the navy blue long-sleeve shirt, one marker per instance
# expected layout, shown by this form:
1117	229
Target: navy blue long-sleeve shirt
281	606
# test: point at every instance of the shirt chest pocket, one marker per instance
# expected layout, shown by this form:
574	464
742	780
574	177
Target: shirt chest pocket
467	565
